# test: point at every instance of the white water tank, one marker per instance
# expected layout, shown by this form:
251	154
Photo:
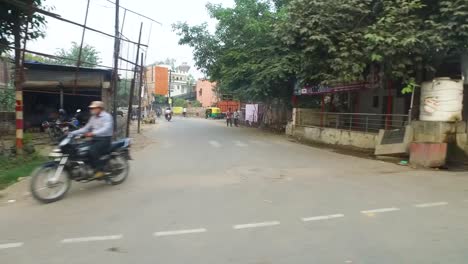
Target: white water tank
442	100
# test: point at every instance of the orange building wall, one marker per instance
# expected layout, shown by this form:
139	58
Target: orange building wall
161	79
205	94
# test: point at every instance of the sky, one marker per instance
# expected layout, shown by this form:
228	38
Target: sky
163	43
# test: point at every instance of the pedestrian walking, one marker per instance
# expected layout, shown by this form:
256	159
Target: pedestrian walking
236	118
229	115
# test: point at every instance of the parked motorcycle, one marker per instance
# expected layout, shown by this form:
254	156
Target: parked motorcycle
59	128
52	180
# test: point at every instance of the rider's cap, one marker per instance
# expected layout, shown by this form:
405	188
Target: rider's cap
96	104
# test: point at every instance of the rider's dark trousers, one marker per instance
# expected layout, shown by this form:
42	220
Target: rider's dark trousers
99	147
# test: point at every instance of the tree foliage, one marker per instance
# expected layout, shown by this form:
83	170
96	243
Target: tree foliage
13	21
260	47
243	56
89	56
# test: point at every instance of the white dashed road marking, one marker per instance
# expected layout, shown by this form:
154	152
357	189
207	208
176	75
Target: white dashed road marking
180	232
322	217
240	144
91	239
254	225
424	205
215	144
258	142
380	210
10	245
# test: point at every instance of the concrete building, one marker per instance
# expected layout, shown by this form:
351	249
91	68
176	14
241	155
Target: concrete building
180	82
206	93
157	79
48	87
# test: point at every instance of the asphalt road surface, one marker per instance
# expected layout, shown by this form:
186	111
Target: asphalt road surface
203	193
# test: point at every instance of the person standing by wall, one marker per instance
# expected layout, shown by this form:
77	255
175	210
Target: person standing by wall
229	117
236	118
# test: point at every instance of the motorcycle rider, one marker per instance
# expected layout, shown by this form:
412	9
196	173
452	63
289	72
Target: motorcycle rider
100	129
168	112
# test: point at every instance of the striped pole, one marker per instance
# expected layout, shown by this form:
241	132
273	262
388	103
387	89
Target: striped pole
19	120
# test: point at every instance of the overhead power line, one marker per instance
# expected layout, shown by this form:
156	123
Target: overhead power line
136	13
58	17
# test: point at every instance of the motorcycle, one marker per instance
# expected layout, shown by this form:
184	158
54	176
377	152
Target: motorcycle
58	129
52	180
168	117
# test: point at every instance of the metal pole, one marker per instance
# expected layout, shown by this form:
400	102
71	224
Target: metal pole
410	111
140	87
351	122
78	63
169	89
132	86
61	97
19	79
367	123
115	74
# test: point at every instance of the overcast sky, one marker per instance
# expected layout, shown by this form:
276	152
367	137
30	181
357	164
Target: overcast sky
163	43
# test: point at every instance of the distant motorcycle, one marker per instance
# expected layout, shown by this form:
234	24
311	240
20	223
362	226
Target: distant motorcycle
52	180
168	117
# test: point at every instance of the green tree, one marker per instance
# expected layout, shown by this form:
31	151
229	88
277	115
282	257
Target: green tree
89	56
123	92
243	55
37	58
179	102
13	21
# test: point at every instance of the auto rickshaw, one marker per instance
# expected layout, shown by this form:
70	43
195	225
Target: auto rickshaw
213	112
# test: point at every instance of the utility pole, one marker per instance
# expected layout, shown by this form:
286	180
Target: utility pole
115	73
132	86
19	77
139	92
169	99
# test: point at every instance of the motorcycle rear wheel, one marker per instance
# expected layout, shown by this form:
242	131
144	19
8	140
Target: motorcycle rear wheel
118	164
39	183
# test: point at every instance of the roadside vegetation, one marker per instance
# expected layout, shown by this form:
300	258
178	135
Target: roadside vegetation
12	168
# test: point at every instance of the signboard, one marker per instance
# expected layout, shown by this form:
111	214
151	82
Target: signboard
324	89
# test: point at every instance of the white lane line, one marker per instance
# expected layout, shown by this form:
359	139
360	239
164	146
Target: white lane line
240	144
180	232
322	217
258	142
380	210
215	144
11	245
424	205
91	239
254	225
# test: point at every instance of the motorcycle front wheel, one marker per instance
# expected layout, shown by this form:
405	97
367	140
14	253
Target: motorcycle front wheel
119	168
45	191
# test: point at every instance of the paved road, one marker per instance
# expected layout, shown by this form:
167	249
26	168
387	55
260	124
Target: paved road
204	193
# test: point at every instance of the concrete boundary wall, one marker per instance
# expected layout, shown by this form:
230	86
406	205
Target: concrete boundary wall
335	136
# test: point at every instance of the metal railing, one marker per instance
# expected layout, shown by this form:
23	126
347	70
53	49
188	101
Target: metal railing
365	122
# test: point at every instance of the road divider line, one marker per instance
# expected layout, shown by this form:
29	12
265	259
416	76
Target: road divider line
424	205
322	217
179	232
254	225
240	144
91	239
11	245
380	210
215	144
